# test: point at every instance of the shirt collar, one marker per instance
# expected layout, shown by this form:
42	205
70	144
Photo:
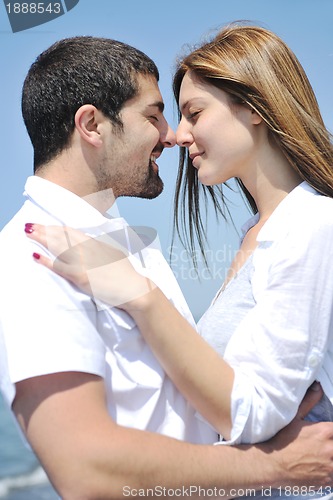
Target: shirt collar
69	208
277	224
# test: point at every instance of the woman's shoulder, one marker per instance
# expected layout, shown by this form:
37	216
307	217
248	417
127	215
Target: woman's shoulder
316	213
308	209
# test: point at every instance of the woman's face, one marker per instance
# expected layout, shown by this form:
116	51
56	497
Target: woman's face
220	135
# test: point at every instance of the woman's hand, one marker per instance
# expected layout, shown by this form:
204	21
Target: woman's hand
98	266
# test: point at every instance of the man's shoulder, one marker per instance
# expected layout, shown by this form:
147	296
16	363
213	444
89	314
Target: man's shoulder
29	212
14	229
13	240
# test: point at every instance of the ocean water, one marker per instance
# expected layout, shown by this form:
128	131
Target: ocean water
21	476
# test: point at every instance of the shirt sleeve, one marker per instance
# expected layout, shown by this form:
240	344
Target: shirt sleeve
47	325
278	349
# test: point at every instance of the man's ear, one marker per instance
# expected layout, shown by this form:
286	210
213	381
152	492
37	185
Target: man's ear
87	122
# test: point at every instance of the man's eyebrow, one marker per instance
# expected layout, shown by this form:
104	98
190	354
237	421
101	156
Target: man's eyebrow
157	104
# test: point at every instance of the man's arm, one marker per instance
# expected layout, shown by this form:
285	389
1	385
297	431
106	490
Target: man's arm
88	456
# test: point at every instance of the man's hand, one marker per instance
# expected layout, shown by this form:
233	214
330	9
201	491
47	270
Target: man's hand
305	450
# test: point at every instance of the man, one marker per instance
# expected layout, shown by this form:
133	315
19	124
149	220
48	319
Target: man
89	395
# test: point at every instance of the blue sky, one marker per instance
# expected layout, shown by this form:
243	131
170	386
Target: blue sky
162	30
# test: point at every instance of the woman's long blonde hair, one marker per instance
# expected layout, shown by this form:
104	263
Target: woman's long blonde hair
255	67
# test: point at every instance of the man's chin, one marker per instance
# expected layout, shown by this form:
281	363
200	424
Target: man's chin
150	193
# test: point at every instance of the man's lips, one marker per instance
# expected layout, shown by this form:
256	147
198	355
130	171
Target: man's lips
153	158
156	153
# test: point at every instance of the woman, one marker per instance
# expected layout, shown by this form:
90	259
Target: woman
247	111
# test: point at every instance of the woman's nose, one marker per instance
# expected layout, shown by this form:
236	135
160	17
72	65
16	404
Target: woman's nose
183	136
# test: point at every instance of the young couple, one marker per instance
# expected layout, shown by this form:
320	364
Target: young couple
99	391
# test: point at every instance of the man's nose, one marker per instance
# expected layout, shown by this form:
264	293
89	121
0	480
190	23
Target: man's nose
169	138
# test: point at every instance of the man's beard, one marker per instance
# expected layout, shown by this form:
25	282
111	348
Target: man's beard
149	188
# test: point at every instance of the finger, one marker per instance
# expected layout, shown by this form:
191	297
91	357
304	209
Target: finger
50	237
311	398
43	260
56	266
57	239
36	232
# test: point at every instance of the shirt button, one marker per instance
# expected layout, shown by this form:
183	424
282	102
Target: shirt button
313	360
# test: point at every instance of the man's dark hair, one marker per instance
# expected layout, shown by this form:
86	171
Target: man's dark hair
71	73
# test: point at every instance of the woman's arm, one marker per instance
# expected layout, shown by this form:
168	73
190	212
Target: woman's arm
103	271
200	374
270	351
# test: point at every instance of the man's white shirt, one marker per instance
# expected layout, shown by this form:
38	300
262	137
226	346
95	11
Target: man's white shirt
48	326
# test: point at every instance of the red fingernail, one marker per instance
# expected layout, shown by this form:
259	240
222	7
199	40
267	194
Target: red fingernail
29	228
36	255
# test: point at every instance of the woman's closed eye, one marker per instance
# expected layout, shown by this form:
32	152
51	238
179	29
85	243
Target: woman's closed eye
192	116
